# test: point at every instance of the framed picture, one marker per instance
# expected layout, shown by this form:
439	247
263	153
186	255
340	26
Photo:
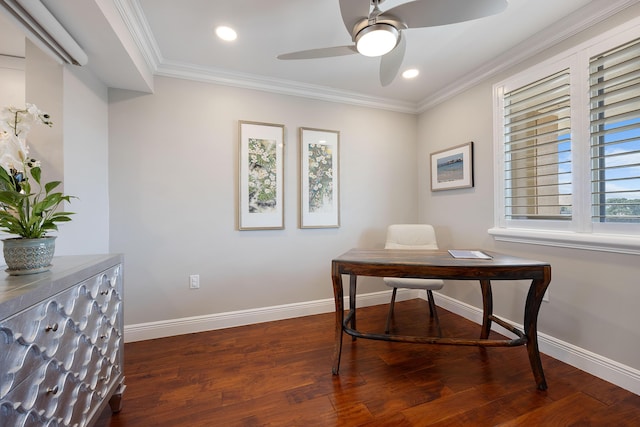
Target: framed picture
452	168
261	181
319	178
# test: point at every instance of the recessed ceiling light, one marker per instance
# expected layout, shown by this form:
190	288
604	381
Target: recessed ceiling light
226	33
410	73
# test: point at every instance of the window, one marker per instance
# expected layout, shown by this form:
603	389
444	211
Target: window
567	140
537	150
615	134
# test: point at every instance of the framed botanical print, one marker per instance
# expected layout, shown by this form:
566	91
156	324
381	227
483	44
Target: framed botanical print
319	178
261	176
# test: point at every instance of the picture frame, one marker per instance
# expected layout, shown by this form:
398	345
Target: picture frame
261	176
452	168
319	178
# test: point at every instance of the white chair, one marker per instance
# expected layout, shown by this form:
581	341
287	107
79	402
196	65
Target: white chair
412	237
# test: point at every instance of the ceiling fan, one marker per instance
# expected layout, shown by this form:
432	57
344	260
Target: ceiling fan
378	33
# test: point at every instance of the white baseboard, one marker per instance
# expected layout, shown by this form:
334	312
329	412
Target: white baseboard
595	364
599	366
210	322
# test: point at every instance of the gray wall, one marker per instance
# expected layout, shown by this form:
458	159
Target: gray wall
86	173
593	295
173	159
74	150
156	177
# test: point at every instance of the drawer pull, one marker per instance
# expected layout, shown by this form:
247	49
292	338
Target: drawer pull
50	328
53	390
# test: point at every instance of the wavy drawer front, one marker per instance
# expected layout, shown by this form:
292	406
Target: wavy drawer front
63	356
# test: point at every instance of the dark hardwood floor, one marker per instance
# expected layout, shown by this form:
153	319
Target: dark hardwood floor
279	374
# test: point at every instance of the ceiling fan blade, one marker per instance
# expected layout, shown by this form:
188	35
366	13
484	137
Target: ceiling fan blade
430	13
353	11
323	52
391	62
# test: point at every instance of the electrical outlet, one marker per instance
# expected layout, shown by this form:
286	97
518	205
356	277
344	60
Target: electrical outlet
194	281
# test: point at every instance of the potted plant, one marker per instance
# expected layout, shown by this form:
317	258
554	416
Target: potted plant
28	208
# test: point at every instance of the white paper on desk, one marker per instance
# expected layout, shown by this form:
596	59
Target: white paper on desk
456	253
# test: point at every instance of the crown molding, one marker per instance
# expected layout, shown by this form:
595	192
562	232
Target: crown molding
137	24
584	18
280	86
135	20
592	14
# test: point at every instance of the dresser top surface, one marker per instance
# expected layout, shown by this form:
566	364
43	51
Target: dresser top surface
20	292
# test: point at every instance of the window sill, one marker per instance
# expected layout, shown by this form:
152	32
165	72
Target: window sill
565	239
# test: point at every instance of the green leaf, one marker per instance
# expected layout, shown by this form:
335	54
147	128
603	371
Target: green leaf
49	202
12	198
35	173
60	218
30	214
61	214
9	220
51	185
6	178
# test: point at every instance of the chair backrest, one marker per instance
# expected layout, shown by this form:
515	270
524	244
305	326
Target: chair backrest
411	236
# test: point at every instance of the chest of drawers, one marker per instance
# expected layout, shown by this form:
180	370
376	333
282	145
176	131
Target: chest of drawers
61	343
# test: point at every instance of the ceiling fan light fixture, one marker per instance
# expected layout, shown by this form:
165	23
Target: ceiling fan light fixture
377	39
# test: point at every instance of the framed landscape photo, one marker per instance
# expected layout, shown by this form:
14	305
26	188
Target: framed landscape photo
452	168
319	178
261	176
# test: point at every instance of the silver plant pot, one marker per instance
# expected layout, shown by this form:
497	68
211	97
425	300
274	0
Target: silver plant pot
28	256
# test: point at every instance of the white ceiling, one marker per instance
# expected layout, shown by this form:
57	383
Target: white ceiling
183	32
177	38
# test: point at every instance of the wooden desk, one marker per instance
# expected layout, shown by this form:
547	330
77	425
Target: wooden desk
441	265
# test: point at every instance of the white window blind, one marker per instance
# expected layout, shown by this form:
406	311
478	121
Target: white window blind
537	150
615	134
567	144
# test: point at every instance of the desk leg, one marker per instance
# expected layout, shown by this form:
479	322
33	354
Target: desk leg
339	302
487	308
352	301
532	306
